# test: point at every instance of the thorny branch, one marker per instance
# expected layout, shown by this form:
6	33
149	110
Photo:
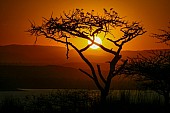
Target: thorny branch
152	70
164	36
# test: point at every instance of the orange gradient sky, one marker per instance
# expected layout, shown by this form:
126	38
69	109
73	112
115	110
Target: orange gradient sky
14	16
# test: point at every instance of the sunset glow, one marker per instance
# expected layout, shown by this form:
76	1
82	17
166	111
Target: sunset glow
97	40
15	15
90	56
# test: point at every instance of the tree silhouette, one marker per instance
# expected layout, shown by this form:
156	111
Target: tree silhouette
164	36
86	25
151	72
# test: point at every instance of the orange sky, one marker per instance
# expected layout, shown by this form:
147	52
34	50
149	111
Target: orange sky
14	15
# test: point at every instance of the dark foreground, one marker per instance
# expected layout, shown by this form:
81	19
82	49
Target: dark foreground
77	102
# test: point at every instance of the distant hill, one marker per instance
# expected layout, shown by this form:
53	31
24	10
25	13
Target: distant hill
32	66
53	55
32	54
48	77
42	77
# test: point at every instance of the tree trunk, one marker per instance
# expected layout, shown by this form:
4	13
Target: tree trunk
166	98
103	97
105	91
103	101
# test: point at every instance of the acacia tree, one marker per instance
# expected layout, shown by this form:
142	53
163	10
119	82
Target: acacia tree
164	36
86	25
151	72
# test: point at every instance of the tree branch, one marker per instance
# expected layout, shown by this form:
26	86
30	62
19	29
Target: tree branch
67	47
115	42
86	74
120	68
100	74
85	48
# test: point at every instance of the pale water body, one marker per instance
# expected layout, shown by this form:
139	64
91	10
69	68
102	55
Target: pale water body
38	92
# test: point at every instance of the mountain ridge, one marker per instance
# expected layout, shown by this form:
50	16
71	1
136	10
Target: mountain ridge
34	66
52	55
50	77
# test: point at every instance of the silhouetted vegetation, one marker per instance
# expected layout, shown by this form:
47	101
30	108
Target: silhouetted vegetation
164	36
83	101
87	25
151	72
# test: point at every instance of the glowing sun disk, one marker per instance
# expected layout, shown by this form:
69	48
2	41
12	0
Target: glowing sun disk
97	40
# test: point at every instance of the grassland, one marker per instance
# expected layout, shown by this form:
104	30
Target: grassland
83	101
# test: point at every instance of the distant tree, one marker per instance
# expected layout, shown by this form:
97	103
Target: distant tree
164	36
78	24
151	72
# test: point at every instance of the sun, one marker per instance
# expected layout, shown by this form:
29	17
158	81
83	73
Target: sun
97	40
